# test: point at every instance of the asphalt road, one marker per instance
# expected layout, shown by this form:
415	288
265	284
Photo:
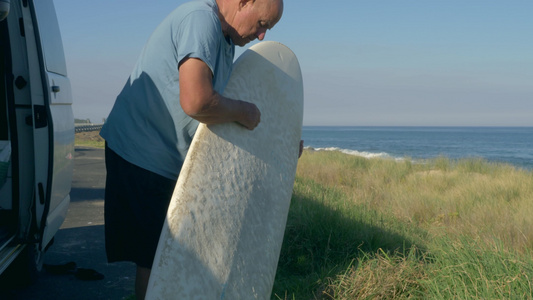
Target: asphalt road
81	240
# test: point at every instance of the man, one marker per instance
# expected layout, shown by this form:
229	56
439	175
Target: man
177	82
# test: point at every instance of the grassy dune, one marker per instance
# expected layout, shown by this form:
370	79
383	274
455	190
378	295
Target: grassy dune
381	229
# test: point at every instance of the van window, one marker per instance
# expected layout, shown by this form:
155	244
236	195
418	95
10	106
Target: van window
50	37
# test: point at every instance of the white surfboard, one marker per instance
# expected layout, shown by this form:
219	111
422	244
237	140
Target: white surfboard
225	224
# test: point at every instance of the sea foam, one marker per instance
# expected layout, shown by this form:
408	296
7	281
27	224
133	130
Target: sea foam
356	153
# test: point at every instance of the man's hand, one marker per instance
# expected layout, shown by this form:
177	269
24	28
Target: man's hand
251	116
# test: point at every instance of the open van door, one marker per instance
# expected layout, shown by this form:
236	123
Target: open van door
37	125
53	124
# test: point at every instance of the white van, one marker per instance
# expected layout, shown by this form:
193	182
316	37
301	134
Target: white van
36	135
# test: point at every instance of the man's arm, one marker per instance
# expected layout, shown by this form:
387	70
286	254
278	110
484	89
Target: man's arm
201	102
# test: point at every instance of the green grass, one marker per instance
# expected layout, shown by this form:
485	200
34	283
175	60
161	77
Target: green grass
381	229
89	139
95	144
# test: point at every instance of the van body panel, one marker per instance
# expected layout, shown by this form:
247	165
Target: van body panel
55	220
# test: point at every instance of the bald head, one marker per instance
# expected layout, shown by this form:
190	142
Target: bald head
246	20
275	5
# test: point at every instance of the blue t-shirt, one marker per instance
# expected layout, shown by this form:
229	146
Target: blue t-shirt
147	125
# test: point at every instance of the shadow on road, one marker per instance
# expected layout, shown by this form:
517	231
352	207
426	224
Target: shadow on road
86	194
85	247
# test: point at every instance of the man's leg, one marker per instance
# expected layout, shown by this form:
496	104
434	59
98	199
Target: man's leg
141	282
136	203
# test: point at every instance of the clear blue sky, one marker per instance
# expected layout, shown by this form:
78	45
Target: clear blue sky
386	62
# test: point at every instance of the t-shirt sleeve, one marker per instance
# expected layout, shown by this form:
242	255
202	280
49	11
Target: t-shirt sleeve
198	36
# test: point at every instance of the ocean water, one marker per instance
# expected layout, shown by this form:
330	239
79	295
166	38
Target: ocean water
512	145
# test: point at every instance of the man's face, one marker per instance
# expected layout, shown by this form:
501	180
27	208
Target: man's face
254	19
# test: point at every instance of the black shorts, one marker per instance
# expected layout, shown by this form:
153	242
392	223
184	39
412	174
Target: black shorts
136	203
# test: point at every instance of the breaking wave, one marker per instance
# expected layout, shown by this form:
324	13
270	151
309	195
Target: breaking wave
357	153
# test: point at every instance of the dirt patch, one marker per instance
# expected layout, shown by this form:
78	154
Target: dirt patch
89	139
93	136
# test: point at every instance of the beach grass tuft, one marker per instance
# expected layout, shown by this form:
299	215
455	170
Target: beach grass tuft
377	228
